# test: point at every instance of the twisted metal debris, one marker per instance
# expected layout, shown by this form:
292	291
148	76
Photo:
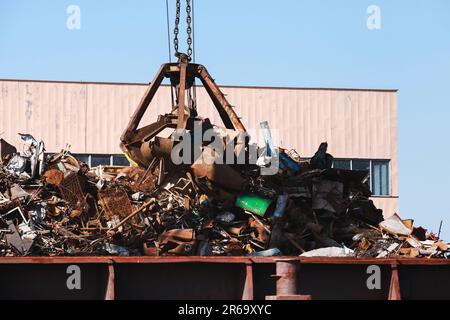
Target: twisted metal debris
55	205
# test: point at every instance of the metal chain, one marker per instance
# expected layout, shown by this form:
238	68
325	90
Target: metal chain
176	30
189	29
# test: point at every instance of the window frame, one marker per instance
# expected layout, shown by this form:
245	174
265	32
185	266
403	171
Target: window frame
371	162
388	177
91	155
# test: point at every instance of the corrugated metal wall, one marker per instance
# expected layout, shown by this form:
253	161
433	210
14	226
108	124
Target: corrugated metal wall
91	117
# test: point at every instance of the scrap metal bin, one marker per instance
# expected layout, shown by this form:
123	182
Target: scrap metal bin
247	278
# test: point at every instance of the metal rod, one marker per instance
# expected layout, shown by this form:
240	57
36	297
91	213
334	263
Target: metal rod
168	30
110	287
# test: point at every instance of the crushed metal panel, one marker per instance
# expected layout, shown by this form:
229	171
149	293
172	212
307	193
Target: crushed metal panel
115	201
14	239
71	191
328	196
395	226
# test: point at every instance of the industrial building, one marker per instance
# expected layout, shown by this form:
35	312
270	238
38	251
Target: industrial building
360	125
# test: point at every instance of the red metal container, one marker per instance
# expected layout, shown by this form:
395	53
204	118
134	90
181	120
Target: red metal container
224	278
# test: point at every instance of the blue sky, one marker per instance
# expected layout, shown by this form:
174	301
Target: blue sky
322	43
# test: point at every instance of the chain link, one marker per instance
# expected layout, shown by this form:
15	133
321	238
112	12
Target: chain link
176	30
189	28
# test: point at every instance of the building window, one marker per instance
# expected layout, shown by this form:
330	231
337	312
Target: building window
378	172
120	160
82	157
380	178
100	160
94	160
362	165
342	164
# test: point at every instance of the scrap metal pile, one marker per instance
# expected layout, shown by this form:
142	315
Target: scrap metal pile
56	205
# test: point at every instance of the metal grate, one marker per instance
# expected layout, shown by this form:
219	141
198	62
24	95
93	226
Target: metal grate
71	190
115	202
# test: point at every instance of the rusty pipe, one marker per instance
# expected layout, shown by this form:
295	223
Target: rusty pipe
286	274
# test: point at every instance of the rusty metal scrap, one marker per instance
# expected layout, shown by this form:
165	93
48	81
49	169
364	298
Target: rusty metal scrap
71	190
75	210
115	202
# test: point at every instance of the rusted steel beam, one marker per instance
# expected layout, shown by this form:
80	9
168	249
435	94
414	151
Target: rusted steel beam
120	260
182	94
248	292
55	260
394	288
220	259
143	104
110	287
184	259
330	260
422	261
384	261
226	112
